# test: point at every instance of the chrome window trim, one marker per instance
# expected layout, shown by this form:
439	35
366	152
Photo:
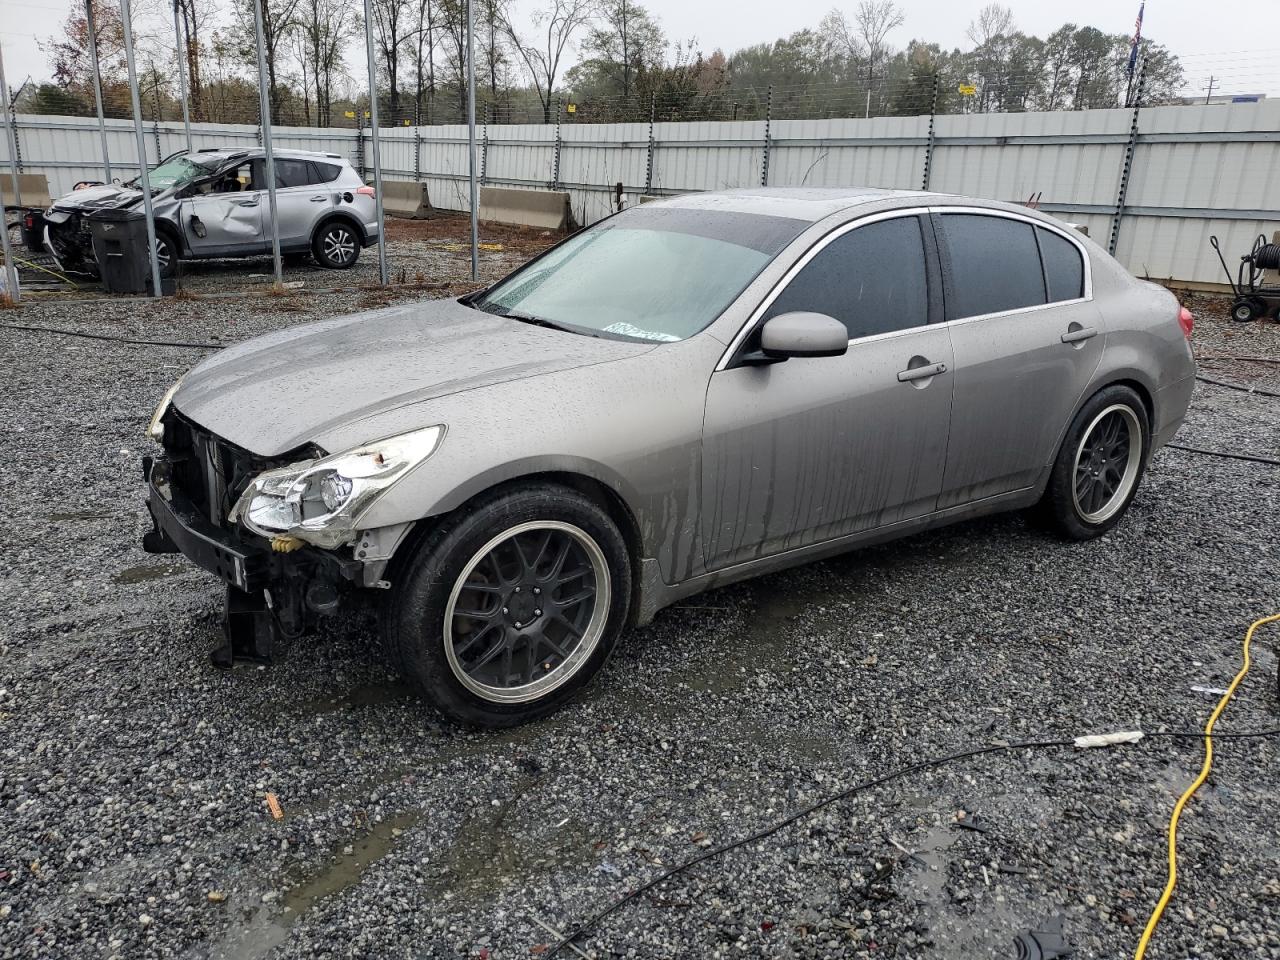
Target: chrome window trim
822	243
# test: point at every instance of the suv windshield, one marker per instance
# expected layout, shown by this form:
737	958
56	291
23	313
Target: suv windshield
176	172
650	273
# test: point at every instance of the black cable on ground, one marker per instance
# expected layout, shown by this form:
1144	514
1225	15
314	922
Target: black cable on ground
111	339
1222	453
1237	386
595	919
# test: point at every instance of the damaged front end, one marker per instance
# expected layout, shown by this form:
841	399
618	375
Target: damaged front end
281	532
68	238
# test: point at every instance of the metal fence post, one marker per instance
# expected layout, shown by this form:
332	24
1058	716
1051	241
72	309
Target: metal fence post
10	136
928	150
97	86
182	76
140	140
373	136
648	163
555	165
1127	169
471	142
484	145
768	123
264	127
417	138
155	114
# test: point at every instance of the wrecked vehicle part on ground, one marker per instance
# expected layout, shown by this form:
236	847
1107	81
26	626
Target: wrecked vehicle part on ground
686	394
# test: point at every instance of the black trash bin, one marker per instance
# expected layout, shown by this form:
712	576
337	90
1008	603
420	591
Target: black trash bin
120	247
33	230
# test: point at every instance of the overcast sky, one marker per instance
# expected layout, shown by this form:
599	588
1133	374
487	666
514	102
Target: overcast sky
1236	40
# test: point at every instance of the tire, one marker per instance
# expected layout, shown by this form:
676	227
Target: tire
513	661
1089	489
167	253
336	245
1242	311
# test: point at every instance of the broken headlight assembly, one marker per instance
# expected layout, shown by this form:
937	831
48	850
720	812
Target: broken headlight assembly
155	430
320	501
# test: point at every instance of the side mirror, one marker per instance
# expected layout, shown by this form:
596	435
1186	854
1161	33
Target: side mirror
800	335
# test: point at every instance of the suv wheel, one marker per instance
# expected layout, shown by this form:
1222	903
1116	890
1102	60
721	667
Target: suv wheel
1099	465
504	613
336	245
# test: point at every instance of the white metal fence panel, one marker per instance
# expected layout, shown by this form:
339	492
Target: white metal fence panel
1196	170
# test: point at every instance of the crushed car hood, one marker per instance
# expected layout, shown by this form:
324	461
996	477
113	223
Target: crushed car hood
96	198
272	394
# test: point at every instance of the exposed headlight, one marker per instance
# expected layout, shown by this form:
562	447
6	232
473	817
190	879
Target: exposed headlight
320	501
156	429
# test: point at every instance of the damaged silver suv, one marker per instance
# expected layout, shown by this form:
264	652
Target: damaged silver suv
689	393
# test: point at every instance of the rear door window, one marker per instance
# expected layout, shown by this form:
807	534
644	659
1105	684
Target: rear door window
872	279
292	173
1063	266
995	265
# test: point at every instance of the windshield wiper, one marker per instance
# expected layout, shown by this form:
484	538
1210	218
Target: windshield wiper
531	319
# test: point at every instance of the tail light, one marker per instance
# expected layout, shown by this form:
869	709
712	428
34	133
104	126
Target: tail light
365	191
29	221
1187	321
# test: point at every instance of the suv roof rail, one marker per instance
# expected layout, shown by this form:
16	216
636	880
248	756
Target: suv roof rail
336	156
210	150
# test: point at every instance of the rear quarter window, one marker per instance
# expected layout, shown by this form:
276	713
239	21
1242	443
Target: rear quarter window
1063	266
994	265
325	172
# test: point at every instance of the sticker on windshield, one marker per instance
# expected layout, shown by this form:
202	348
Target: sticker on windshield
630	330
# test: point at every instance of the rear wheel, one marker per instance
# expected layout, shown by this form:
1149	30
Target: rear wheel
336	245
1099	465
505	612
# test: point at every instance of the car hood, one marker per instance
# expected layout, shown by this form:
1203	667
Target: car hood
96	198
272	394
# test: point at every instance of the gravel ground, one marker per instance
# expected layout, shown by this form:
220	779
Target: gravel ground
133	776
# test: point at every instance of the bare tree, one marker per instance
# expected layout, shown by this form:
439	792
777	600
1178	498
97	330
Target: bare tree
323	29
864	41
278	21
194	16
628	39
993	21
394	27
424	38
556	24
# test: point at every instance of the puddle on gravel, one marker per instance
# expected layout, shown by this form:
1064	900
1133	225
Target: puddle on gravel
145	574
79	515
365	695
266	929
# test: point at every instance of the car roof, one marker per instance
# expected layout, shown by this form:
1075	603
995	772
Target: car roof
226	153
813	203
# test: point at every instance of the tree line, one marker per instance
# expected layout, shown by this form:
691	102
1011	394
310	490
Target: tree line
577	60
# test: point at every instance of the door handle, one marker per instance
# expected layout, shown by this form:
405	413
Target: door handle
1079	334
319	199
921	373
246	203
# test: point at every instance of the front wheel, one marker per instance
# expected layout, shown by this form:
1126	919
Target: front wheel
1099	465
166	255
502	614
336	245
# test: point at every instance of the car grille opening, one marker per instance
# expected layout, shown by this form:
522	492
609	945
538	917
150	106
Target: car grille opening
209	471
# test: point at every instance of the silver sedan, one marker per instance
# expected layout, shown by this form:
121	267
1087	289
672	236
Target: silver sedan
687	394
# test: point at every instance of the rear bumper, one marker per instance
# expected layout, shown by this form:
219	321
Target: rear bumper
1171	409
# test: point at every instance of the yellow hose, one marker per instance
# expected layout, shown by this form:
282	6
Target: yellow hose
1195	785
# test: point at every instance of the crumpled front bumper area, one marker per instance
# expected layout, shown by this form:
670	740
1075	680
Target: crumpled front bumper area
272	597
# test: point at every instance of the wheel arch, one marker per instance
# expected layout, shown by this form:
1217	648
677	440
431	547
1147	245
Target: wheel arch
329	218
594	488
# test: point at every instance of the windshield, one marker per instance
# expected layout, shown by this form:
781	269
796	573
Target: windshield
175	172
650	273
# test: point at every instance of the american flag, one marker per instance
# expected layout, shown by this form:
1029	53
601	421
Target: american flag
1137	39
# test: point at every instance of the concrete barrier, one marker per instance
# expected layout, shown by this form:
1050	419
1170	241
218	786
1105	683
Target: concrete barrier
404	198
548	209
34	187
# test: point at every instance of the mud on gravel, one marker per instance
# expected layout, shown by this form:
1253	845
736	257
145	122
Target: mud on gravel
133	775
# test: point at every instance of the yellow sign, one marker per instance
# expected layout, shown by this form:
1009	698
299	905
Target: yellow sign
968	89
407	123
571	108
350	114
